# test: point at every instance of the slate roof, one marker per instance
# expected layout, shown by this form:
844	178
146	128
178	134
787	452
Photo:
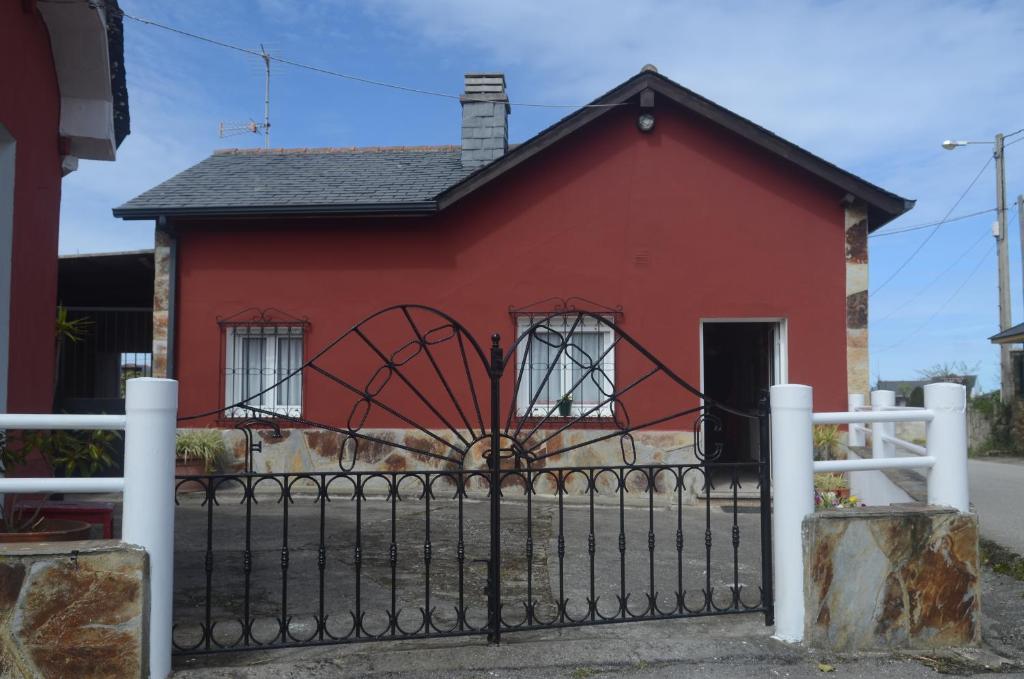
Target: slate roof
422	180
403	178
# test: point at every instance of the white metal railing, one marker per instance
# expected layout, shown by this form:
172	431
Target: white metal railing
149	422
944	456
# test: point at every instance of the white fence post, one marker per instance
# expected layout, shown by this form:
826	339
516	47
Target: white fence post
793	499
856	435
946	438
151	407
882	398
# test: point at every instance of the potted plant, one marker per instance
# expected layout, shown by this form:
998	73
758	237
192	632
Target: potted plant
832	483
826	438
565	405
196	452
68	453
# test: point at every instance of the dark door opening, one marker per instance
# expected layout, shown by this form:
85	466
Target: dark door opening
739	364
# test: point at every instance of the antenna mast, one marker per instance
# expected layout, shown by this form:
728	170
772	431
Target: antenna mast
266	99
232	129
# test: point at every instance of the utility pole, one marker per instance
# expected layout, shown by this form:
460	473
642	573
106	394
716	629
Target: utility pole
1005	367
1020	223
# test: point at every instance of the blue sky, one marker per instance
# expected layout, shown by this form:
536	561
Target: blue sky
872	86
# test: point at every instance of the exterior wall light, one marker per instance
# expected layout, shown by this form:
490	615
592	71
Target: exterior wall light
645	122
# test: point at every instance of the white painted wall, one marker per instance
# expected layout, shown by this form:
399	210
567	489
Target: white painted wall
6	245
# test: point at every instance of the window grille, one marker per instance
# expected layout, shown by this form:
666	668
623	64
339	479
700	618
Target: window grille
576	380
263	363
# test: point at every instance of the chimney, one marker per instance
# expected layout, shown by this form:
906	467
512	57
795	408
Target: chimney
485	112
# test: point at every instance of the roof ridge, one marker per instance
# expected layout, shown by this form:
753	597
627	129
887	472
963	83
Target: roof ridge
333	149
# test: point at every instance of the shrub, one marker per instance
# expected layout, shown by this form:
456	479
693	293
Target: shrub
205	445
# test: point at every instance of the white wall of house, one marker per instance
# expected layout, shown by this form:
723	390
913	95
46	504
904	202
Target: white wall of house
6	245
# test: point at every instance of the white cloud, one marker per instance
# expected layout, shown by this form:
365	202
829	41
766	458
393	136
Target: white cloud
872	85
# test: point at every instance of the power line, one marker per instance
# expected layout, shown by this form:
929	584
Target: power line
916	227
937	278
949	299
310	67
935	229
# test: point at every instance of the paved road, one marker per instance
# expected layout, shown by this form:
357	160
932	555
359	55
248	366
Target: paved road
996	488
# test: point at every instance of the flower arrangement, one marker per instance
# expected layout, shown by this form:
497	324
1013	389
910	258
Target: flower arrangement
829	499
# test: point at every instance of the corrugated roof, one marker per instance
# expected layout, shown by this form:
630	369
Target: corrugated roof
308	178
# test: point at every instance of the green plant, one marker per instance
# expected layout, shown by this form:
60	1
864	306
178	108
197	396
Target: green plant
205	445
1005	424
69	453
826	438
830	482
66	330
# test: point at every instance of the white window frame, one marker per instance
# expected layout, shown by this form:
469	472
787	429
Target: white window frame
563	324
234	378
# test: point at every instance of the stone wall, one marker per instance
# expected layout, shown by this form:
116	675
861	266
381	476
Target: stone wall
856	225
897	577
316	450
73	609
162	288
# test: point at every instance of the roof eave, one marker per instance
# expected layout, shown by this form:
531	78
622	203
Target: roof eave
1012	335
883	206
349	209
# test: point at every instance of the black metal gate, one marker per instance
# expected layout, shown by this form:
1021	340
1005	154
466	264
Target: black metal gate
443	515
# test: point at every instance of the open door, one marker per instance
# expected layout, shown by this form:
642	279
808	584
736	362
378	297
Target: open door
740	362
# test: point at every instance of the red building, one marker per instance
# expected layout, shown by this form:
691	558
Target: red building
62	97
735	257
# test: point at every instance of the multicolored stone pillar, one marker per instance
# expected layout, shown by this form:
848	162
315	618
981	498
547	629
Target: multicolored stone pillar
857	366
162	290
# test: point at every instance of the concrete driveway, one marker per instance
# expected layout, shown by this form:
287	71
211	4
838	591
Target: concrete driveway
648	542
997	493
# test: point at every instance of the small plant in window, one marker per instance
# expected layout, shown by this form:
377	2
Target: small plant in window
565	405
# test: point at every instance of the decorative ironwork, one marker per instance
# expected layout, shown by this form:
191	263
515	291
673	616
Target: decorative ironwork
255	316
352	537
253	443
565	305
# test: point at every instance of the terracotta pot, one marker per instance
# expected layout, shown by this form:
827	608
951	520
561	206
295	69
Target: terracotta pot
842	493
51	530
190	468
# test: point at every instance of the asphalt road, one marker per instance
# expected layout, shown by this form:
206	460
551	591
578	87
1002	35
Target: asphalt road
996	487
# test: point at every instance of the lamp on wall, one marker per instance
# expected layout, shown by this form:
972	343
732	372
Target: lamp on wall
645	121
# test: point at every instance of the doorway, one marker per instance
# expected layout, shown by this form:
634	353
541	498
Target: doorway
740	360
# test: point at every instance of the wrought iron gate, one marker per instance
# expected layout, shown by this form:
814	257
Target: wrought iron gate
446	517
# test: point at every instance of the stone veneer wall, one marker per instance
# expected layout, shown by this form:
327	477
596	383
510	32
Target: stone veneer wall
316	450
73	609
161	301
905	576
857	368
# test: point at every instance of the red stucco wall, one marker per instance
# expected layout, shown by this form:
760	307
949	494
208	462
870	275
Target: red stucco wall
682	224
30	110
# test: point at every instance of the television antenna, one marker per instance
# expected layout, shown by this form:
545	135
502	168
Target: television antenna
251	126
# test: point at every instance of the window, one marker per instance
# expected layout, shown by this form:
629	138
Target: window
576	381
259	360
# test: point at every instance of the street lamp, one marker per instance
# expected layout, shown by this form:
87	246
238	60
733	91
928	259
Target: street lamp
1005	369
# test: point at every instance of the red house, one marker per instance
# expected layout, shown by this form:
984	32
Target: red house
732	256
62	97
